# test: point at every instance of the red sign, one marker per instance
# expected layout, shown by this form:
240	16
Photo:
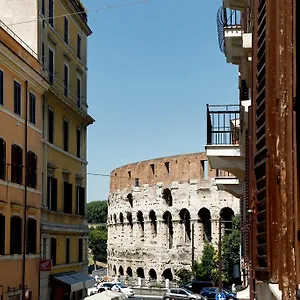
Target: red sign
45	265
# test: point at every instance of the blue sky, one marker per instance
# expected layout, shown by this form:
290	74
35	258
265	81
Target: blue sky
153	67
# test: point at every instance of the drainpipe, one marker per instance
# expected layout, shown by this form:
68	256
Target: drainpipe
25	192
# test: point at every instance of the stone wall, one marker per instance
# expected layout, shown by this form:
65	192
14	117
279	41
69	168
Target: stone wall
152	208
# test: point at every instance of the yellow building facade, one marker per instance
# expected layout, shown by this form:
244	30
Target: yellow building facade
60	38
21	86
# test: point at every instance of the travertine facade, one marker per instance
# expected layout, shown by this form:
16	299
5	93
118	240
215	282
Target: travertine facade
153	206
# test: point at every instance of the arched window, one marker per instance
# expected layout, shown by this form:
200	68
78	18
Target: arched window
167	217
205	219
186	220
140	219
167	196
152	217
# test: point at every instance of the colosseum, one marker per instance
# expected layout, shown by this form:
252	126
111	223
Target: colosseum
157	209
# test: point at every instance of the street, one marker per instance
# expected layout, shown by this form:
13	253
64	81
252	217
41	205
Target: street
146	297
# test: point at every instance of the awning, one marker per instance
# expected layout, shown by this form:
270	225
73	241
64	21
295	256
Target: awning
76	281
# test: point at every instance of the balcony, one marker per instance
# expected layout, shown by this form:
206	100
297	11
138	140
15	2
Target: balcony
223	141
235	4
230	34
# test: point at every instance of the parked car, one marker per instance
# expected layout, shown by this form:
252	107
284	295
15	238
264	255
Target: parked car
209	293
197	286
181	294
121	287
95	289
107	285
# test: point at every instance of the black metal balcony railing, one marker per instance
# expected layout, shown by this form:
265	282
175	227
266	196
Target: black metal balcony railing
226	18
223	124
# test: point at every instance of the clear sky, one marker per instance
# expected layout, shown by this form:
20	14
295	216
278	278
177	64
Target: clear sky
153	67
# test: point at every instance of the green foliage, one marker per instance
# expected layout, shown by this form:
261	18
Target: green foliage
231	250
207	269
97	212
98	243
184	275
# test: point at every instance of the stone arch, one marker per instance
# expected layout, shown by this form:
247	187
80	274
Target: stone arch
167	217
140	272
129	272
152	274
153	222
111	218
115	218
129	198
185	217
205	219
121	271
167	274
115	270
227	215
140	219
129	219
121	217
167	196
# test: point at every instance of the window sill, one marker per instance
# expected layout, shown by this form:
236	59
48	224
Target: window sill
46	209
19	186
60	266
18	256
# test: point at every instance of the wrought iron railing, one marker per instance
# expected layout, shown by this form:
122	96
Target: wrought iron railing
223	124
226	18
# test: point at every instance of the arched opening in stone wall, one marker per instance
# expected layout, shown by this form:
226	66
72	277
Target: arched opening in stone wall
111	218
140	219
115	218
205	219
140	272
129	198
185	217
121	271
167	196
153	222
152	274
129	219
167	274
129	272
226	215
115	270
167	217
121	219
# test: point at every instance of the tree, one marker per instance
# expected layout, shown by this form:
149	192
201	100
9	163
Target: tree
98	243
185	275
207	269
97	212
231	250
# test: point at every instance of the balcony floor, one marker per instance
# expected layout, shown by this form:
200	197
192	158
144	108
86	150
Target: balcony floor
230	185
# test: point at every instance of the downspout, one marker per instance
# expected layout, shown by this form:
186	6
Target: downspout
25	192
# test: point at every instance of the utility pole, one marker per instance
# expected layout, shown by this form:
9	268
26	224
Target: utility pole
220	255
193	251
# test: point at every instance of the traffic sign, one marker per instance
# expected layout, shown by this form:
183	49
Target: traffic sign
220	296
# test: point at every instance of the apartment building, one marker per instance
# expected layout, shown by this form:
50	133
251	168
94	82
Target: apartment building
21	159
260	37
59	35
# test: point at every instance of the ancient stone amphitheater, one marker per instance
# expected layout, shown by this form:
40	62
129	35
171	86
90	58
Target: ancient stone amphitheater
156	210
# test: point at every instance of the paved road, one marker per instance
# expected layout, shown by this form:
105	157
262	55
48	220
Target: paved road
140	297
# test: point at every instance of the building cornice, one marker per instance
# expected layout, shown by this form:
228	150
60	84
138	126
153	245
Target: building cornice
22	69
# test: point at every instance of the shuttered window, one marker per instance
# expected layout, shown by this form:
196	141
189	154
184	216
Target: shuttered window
53	251
16	164
32	108
80	250
15	235
2	159
31	235
2	234
67	197
80	209
67	250
52	193
1	87
17	98
32	170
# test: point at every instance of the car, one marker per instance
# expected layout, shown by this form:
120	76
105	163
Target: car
107	285
209	293
181	294
121	287
197	286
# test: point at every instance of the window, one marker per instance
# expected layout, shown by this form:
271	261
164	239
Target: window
31	235
129	174
43	7
78	46
167	164
78	92
43	53
51	12
17	98
152	168
50	126
67	250
44	244
52	193
80	250
80	201
32	170
51	65
66	32
1	87
31	108
2	159
66	135
66	80
16	164
67	197
53	251
15	235
78	142
2	234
